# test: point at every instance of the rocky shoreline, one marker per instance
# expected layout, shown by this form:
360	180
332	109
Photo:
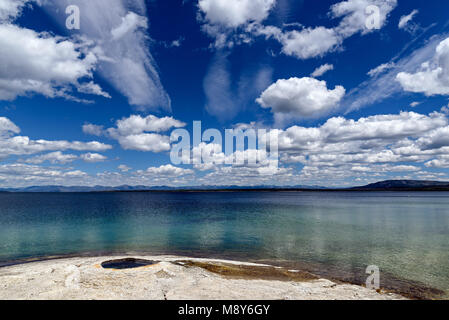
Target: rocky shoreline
169	278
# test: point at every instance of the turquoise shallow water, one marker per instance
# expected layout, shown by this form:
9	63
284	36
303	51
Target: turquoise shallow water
333	233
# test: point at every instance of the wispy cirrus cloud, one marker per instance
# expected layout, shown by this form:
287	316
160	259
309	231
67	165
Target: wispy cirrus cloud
117	34
382	83
225	98
405	22
321	70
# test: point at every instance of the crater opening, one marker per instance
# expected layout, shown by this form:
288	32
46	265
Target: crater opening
128	263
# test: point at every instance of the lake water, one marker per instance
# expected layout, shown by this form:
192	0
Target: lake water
335	234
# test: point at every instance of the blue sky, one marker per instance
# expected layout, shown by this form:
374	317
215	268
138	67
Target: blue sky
355	95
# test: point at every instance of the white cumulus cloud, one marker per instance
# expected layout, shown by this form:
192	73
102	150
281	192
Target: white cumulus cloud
300	98
11	9
136	124
93	129
370	146
11	143
7	127
310	42
168	170
56	157
433	76
234	13
354	15
222	18
124	168
139	133
93	157
39	63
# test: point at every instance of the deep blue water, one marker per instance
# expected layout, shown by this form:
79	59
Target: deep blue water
405	234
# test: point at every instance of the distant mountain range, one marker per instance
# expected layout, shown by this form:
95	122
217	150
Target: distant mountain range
125	188
389	185
406	185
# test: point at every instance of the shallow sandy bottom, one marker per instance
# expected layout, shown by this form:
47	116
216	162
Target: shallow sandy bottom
172	278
